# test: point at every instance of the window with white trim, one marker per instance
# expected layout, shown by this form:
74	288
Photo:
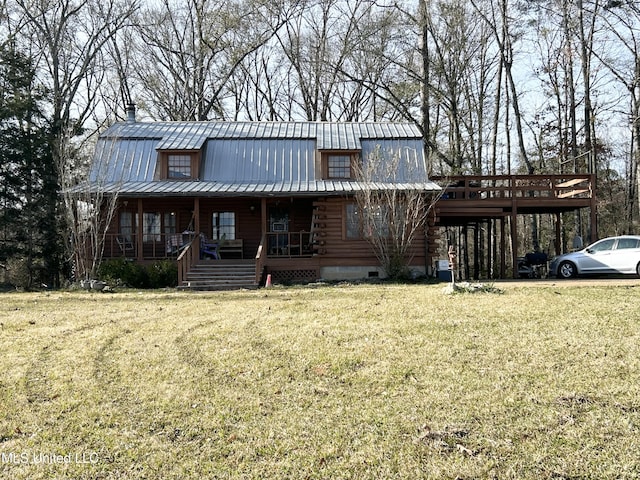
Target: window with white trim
224	224
128	225
151	227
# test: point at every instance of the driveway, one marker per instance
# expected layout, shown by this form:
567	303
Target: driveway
626	281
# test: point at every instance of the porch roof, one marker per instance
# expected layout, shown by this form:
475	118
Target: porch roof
220	189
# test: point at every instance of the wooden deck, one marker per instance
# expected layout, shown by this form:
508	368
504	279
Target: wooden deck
467	199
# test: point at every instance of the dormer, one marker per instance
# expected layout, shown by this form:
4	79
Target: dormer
180	154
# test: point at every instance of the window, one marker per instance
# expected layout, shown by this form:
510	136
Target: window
603	245
151	227
127	226
224	223
338	166
367	223
170	223
376	221
353	222
178	166
625	243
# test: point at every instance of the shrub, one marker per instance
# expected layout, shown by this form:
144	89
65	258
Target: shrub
121	272
163	274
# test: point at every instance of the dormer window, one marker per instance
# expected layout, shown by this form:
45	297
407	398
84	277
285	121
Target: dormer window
179	165
338	165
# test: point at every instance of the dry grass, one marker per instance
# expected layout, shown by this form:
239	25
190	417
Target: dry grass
333	382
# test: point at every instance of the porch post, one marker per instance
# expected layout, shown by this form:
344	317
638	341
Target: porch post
139	233
263	212
196	215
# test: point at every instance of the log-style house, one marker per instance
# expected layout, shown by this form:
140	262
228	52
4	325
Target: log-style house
233	202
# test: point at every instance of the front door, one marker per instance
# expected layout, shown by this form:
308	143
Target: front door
278	230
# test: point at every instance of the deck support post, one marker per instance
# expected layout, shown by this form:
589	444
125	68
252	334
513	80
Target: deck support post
558	242
503	247
514	237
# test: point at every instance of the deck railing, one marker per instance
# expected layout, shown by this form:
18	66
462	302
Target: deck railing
486	187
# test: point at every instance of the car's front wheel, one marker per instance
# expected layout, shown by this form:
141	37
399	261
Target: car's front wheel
567	270
638	269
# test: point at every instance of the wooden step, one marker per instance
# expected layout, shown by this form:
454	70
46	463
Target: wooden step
220	275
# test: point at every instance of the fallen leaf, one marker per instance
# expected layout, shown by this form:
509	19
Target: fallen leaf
464	450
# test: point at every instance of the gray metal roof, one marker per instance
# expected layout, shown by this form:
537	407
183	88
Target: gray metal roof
328	135
219	189
251	158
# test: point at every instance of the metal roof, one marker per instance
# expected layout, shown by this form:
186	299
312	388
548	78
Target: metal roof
251	158
329	135
219	189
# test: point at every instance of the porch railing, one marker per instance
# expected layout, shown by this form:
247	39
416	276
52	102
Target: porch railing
120	246
188	258
154	246
288	244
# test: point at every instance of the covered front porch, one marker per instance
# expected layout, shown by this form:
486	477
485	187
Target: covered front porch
278	231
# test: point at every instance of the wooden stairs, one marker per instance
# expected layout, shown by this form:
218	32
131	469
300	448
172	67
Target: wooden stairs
221	275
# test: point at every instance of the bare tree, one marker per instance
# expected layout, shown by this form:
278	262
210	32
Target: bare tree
67	40
323	49
500	20
90	205
189	51
259	87
622	20
70	38
393	206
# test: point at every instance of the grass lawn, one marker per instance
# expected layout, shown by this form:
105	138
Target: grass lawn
361	382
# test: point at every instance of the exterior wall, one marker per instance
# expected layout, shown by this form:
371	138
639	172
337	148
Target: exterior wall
336	256
247	214
333	256
336	250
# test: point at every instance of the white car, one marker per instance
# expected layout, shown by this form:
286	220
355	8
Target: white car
609	255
